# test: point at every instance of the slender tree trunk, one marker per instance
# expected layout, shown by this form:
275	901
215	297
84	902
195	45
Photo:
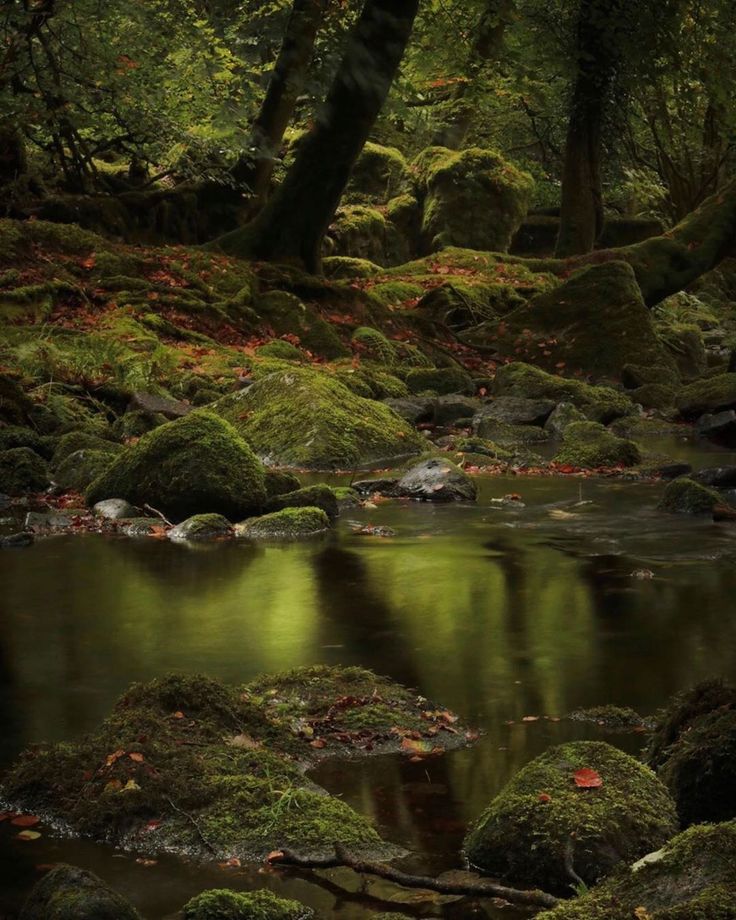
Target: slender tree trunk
293	223
581	215
286	85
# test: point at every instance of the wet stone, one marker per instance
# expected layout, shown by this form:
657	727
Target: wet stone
115	509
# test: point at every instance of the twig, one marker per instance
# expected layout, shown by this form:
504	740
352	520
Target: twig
194	823
158	514
480	888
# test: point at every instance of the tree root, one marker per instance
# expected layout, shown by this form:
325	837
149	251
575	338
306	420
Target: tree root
480	888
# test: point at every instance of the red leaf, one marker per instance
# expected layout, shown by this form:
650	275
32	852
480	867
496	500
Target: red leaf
25	821
545	797
585	778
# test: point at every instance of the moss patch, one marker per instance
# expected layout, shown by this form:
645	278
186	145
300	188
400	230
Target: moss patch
22	471
286	524
588	445
223	904
710	395
685	496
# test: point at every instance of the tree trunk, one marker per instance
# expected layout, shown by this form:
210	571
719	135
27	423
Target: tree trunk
581	216
286	85
293	223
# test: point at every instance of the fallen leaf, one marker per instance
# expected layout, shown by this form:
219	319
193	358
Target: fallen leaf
136	757
244	741
25	821
318	743
146	862
275	855
113	758
545	797
232	863
585	778
27	835
530	719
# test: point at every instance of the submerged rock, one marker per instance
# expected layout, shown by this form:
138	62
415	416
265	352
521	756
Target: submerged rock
692	878
224	904
588	445
68	893
195	465
287	524
543	823
719	477
436	480
200	528
305	418
693	750
16	540
685	496
22	471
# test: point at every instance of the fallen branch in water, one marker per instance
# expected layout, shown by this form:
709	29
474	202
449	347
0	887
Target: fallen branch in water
479	888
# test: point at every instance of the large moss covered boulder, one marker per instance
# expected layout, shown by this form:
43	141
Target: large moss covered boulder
595	323
588	445
305	418
692	878
472	198
194	465
693	750
68	893
600	404
224	904
379	174
685	496
22	471
713	394
583	805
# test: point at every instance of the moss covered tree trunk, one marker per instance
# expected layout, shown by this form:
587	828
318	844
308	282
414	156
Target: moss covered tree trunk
286	85
581	215
293	223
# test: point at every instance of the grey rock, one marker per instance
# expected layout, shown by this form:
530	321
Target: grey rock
68	893
413	409
564	414
4	500
437	480
115	509
200	528
16	541
40	521
516	410
718	426
719	477
383	486
169	408
140	527
450	409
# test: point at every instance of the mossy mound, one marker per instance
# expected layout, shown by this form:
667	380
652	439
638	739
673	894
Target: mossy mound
305	418
634	376
223	904
22	471
308	497
287	314
279	482
600	404
594	323
73	441
379	174
542	823
685	496
364	232
693	750
68	893
654	396
713	394
286	524
692	878
18	436
612	718
439	380
194	465
280	348
201	528
78	470
588	445
472	198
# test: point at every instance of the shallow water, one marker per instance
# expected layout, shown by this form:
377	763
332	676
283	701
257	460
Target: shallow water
496	613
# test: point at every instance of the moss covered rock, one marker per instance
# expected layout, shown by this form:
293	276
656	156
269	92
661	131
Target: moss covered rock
436	480
654	396
194	465
440	380
15	406
595	323
73	441
286	314
308	497
19	436
685	496
379	174
692	878
714	394
472	198
693	749
68	893
634	376
600	404
280	348
22	471
588	445
305	418
81	468
543	822
363	232
224	904
286	524
201	528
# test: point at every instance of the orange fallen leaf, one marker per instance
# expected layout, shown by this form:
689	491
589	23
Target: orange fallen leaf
25	821
27	835
136	757
585	778
275	856
545	797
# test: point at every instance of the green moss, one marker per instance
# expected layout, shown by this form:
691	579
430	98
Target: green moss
363	232
77	470
507	435
340	267
223	904
613	718
278	482
287	524
601	404
309	497
685	344
713	394
378	175
588	445
280	348
136	423
692	878
73	441
654	396
22	471
305	418
17	436
201	527
634	376
197	464
541	819
375	345
14	404
440	380
286	314
371	381
69	893
685	496
396	293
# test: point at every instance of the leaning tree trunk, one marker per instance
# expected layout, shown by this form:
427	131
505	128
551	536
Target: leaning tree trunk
293	223
581	215
286	85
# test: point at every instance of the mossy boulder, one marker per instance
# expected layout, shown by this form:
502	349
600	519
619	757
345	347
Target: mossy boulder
363	232
19	436
286	524
588	445
692	878
436	480
713	394
69	893
594	323
280	348
507	435
598	403
685	343
543	822
73	441
634	376
693	750
136	423
194	465
472	198
79	469
305	418
685	496
201	528
15	406
224	904
654	396
379	174
22	471
308	497
439	380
